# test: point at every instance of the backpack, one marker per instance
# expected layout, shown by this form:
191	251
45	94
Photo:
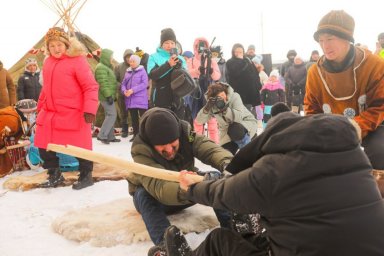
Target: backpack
182	83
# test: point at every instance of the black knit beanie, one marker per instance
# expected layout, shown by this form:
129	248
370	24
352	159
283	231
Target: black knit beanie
161	128
278	108
167	34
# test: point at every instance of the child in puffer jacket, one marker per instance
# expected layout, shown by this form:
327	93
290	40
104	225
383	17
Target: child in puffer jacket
272	92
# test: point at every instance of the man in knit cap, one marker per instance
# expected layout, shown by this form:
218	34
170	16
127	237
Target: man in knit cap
251	52
348	80
159	68
164	141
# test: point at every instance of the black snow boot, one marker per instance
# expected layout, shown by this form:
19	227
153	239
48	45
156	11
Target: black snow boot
157	250
175	242
55	178
124	132
85	180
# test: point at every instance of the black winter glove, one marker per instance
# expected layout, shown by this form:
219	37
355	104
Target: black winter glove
110	100
211	175
202	70
210	103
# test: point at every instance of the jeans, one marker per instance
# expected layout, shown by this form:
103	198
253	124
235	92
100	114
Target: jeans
154	214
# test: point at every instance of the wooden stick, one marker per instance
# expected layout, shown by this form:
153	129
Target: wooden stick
19	145
120	163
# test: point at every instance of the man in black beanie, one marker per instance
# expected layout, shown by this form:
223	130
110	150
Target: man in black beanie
164	141
160	66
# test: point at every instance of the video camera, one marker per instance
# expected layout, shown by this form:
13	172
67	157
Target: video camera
202	49
205	64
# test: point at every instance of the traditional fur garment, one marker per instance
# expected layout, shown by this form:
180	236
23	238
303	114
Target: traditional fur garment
118	222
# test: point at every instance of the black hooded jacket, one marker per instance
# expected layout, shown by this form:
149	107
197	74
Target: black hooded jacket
244	78
28	86
312	184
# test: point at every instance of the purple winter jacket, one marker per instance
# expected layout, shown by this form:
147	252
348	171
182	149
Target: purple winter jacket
137	80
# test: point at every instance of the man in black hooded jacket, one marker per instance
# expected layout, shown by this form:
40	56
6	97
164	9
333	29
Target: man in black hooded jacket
311	183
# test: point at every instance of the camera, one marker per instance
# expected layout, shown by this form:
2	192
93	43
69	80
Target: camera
220	103
201	47
173	51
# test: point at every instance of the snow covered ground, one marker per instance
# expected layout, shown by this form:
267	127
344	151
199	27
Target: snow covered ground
26	217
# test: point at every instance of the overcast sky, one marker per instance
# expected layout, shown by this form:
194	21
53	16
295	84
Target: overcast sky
272	26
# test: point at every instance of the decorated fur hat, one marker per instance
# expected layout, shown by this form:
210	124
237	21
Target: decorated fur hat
56	33
337	23
167	34
30	61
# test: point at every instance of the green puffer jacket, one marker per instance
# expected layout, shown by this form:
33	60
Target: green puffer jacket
105	76
191	146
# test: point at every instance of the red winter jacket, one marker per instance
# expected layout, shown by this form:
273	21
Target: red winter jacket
69	91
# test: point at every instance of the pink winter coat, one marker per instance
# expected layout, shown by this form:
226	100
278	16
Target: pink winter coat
69	91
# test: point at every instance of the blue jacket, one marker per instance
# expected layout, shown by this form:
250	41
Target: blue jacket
159	71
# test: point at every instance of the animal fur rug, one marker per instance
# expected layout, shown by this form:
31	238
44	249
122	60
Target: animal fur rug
118	222
100	172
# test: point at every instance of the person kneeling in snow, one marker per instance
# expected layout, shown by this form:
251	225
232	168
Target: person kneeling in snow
237	125
299	175
164	141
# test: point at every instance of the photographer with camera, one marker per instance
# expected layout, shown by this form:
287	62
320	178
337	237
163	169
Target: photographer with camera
160	66
236	123
205	70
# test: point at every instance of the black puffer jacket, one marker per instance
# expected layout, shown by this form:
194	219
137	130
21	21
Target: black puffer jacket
244	78
28	86
312	184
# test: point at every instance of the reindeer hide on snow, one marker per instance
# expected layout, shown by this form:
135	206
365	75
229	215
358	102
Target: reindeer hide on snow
118	222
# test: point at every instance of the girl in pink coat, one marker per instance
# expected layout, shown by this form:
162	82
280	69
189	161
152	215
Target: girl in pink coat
67	105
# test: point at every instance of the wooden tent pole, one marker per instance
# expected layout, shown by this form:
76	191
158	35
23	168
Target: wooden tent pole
120	163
